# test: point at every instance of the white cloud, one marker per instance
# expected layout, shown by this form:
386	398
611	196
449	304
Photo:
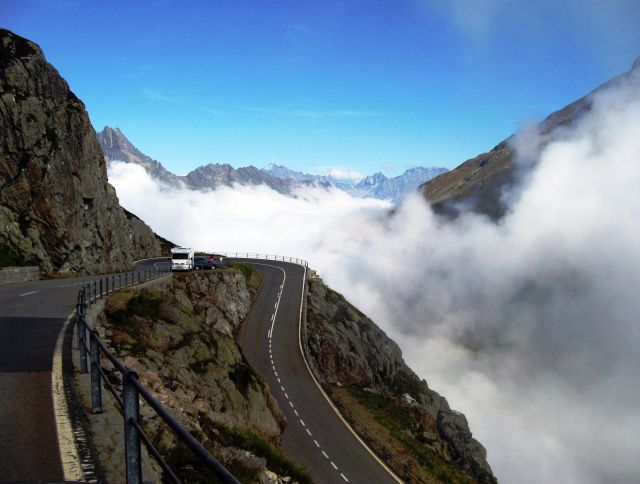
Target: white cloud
340	173
530	327
242	218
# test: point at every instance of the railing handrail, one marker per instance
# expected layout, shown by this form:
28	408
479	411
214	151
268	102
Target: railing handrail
255	255
132	387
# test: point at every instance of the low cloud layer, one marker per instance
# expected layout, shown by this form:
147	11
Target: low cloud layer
530	327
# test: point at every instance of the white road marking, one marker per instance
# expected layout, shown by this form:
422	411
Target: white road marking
290	403
276	374
27	293
278	380
316	442
343	476
296	412
282	388
325	454
302	422
309	432
334	466
286	396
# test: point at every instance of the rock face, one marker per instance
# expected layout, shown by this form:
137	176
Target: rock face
117	147
347	348
213	175
384	188
483	184
178	337
57	209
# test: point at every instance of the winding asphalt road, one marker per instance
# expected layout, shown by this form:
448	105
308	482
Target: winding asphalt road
31	317
315	435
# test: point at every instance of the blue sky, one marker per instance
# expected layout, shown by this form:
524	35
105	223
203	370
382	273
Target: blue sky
352	84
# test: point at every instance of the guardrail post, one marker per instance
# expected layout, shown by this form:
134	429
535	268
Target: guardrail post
82	340
131	439
101	288
96	384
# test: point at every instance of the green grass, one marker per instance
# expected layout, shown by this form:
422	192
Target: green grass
251	441
398	420
252	277
145	304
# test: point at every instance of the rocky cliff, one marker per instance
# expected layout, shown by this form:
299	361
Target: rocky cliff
364	369
179	337
57	209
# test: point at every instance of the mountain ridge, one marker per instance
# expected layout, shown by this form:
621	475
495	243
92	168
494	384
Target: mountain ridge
482	184
279	178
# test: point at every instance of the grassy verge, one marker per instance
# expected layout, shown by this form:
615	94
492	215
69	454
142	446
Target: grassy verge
252	277
389	422
276	460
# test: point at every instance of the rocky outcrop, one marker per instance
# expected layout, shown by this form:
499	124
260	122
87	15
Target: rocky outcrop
348	349
57	210
179	338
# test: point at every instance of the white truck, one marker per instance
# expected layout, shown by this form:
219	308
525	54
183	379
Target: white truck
182	259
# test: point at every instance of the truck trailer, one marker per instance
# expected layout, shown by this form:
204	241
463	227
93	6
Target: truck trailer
182	259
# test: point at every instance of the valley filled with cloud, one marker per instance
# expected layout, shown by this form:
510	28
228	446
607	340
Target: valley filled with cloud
529	326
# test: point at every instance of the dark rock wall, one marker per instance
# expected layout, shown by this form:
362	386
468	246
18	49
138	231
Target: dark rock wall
57	209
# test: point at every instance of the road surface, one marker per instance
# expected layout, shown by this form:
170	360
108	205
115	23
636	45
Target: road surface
31	317
314	436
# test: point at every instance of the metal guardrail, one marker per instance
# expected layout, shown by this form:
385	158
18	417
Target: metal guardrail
249	255
404	468
132	389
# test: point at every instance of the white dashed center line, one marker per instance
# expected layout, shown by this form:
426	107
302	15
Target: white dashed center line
286	395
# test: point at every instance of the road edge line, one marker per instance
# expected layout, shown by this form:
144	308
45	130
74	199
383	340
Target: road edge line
324	394
71	463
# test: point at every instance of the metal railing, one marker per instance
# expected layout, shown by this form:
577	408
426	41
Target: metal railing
406	469
132	390
250	255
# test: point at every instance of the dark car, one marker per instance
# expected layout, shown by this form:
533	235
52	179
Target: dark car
202	263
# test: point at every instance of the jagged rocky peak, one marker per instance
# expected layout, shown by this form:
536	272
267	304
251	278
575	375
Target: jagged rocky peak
57	209
117	147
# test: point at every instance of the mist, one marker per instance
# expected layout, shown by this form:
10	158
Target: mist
529	326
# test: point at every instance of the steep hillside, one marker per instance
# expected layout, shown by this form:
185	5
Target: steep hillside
178	335
364	372
57	209
481	183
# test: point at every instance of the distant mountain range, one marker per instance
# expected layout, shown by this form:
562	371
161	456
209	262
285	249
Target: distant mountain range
279	178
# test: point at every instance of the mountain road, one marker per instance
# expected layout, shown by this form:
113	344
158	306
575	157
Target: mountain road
315	435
